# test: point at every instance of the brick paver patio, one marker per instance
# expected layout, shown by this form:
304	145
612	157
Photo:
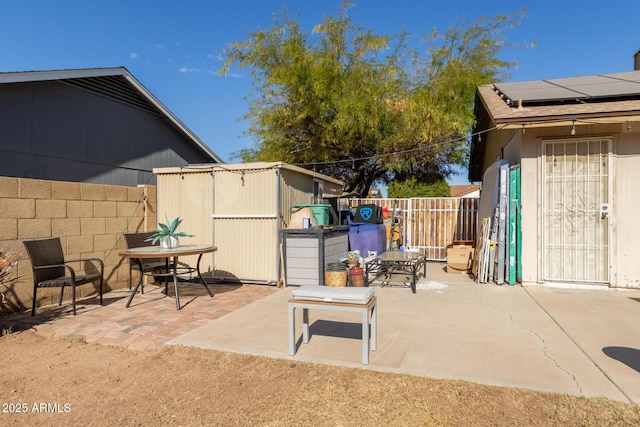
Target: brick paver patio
150	321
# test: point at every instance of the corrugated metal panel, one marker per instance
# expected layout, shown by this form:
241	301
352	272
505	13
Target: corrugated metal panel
190	197
251	204
247	249
332	189
246	224
247	192
296	189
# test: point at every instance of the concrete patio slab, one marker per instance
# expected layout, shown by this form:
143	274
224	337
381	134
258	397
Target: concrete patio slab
583	342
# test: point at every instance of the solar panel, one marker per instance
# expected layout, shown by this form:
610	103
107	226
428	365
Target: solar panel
539	90
573	88
632	76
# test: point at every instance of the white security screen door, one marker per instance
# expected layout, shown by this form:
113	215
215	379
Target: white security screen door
576	210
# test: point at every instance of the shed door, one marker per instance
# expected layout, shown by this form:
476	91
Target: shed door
576	210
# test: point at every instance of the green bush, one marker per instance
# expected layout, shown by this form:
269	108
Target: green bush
412	188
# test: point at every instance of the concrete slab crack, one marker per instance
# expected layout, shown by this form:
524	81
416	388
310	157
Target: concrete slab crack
546	354
579	346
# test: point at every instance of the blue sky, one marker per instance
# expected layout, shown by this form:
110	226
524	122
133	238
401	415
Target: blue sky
173	47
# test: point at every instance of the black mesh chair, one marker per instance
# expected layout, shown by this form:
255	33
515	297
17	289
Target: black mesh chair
149	265
51	270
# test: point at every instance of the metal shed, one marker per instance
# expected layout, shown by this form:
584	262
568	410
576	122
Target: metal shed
241	209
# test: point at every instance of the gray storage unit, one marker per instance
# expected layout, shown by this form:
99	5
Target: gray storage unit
308	251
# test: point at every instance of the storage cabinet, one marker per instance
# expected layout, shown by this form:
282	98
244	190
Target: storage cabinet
308	251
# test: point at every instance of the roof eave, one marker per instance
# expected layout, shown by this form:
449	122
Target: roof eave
35	76
567	119
245	166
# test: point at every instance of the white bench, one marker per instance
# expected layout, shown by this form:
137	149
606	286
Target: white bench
349	299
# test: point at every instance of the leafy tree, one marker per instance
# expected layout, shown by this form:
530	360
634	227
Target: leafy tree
411	187
363	107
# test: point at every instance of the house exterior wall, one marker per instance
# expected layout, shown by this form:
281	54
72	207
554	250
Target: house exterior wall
625	204
51	130
626	208
531	207
88	218
473	195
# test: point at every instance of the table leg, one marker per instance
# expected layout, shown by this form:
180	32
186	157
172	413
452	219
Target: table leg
414	277
175	281
292	330
305	325
374	326
365	336
204	282
165	278
366	274
135	289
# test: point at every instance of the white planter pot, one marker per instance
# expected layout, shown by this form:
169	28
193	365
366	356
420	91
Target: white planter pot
169	242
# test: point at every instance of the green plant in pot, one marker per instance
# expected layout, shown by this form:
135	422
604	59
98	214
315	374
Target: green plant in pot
167	234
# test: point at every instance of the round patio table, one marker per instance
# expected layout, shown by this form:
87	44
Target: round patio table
137	254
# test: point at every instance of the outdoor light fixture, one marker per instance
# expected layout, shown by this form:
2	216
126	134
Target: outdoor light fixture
523	130
628	125
573	128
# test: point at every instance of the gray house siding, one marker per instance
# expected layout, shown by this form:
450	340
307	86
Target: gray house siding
63	130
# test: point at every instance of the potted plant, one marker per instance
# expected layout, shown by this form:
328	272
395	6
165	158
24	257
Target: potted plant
167	234
353	258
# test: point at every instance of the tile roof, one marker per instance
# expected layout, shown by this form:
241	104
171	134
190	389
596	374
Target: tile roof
463	190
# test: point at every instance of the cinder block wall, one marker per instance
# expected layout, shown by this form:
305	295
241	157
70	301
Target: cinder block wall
89	219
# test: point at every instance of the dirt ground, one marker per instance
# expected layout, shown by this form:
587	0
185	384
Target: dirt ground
55	381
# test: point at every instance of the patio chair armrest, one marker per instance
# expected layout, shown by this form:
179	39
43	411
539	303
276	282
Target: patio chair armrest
42	267
98	260
72	272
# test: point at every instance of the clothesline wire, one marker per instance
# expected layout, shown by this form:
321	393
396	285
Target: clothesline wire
377	156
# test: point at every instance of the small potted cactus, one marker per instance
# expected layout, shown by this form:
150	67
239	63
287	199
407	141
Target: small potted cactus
167	234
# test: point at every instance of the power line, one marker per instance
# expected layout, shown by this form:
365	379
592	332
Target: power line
378	156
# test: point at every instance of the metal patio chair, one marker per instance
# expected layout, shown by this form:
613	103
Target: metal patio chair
51	270
149	265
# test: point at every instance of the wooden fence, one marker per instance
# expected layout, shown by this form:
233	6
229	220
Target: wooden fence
430	224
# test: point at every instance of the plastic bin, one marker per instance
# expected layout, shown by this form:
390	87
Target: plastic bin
321	213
